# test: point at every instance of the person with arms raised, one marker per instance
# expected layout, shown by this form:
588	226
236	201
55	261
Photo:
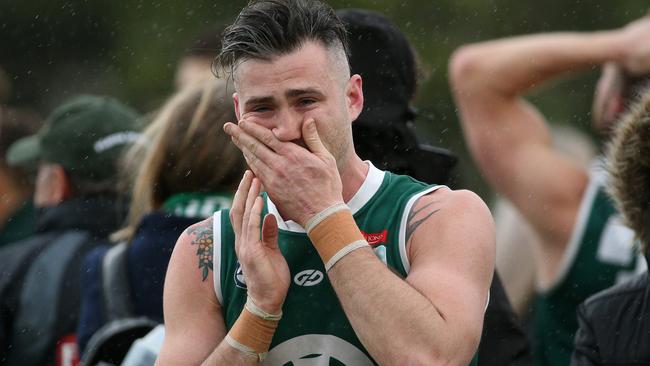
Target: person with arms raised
583	248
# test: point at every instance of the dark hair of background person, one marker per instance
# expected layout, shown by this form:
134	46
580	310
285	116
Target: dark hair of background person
386	61
385	132
186	151
15	124
257	33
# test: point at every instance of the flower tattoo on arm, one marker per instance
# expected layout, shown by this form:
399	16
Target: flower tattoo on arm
202	237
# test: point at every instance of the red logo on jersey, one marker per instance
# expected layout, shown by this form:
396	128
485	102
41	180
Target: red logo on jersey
377	238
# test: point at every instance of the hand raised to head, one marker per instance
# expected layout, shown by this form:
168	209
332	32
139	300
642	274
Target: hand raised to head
635	40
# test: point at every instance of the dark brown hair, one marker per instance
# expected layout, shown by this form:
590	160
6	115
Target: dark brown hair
268	28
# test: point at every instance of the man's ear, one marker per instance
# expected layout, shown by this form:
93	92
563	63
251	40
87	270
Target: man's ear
235	99
354	96
616	106
608	98
53	185
64	189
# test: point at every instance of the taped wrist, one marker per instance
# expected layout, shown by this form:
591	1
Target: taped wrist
334	234
253	331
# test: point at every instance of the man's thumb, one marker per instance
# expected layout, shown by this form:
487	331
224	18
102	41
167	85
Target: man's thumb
270	231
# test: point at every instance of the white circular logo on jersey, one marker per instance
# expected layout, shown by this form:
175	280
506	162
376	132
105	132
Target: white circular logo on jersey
316	350
309	277
240	280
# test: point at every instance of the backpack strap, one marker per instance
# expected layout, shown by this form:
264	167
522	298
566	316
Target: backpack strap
14	264
46	282
110	343
116	289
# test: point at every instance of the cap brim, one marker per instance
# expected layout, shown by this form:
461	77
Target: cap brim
24	151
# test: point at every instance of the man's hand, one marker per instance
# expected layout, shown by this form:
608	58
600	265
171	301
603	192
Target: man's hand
265	269
635	36
301	181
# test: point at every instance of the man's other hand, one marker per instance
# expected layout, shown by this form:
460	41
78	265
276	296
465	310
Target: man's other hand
264	268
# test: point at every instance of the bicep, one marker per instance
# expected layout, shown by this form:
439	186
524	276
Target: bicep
194	325
454	270
511	143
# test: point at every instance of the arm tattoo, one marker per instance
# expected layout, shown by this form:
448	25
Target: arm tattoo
412	223
202	237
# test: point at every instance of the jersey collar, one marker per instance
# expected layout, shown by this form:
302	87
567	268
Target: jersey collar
370	186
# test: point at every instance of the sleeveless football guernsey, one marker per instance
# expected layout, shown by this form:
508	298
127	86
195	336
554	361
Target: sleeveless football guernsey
314	329
601	253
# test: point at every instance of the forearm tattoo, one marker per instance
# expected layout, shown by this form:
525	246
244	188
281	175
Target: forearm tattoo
415	219
202	237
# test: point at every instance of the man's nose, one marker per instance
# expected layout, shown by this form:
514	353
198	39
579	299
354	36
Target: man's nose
288	126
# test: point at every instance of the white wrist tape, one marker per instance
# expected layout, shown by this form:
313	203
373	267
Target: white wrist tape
250	305
345	251
245	349
319	217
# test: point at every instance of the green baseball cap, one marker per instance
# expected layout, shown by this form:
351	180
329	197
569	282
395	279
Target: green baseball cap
85	135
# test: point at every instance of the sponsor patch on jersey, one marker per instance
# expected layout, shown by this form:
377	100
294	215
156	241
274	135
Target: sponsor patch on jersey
308	277
375	239
240	280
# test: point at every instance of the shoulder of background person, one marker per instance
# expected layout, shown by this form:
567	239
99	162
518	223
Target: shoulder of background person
16	258
631	288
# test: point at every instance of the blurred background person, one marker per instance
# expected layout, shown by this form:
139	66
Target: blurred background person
16	183
516	239
385	134
76	153
583	248
130	49
187	171
195	66
615	323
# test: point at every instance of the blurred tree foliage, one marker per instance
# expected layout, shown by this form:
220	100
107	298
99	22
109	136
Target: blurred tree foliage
129	49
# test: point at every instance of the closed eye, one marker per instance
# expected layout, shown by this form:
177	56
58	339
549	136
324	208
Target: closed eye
260	109
305	102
